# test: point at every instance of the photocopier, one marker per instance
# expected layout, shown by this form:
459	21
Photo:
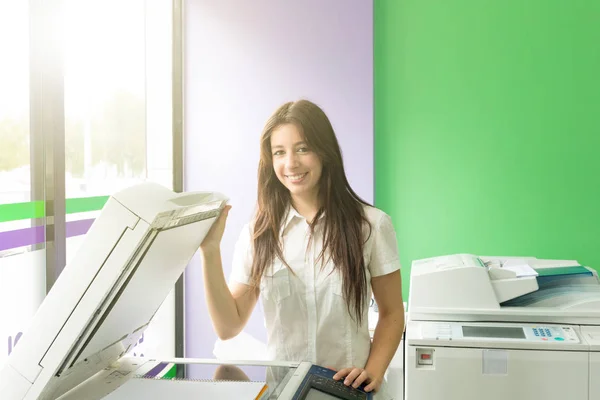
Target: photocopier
502	328
77	345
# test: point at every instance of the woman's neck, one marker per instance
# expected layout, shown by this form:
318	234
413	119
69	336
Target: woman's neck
306	206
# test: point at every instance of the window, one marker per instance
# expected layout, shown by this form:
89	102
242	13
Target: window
116	89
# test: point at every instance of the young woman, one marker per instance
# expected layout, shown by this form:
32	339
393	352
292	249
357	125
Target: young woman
315	253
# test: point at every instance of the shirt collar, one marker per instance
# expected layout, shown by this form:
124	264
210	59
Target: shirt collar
290	215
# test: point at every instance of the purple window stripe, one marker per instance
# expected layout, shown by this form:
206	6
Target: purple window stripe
34	235
80	227
21	237
156	370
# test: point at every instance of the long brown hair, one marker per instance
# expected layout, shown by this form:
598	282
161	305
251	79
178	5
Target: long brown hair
341	208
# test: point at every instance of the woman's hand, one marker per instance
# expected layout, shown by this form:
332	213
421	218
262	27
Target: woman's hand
212	241
357	376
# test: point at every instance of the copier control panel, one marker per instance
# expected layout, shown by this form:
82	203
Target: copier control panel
503	332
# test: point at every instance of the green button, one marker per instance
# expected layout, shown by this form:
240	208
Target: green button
559	338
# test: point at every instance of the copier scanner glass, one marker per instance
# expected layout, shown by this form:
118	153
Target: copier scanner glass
152	384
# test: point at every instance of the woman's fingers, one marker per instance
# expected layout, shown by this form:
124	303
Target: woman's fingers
342	373
215	234
360	379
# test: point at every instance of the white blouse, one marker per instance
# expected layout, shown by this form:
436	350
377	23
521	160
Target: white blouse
305	312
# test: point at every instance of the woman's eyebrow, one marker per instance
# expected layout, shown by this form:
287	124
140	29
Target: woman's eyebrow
281	146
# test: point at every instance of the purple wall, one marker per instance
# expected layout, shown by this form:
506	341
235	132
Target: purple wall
243	60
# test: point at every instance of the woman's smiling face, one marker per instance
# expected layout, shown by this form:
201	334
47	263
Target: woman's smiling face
296	166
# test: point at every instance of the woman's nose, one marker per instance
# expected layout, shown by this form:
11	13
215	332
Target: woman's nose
292	160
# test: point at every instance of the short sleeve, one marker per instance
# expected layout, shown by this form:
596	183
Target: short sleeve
242	258
384	248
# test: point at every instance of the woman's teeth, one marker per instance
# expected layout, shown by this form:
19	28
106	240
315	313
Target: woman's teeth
296	177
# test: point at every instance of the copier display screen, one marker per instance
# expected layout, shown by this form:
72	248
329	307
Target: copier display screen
503	332
316	394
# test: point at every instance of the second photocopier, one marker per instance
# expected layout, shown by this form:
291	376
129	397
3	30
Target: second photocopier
502	328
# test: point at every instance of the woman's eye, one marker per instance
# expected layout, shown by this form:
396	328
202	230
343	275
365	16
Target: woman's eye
278	153
303	150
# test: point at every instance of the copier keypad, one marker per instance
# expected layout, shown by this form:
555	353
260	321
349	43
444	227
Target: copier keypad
553	333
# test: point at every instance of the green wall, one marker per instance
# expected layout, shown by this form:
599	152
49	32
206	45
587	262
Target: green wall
487	127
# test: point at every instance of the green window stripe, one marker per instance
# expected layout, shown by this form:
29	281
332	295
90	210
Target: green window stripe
84	204
35	209
17	211
171	374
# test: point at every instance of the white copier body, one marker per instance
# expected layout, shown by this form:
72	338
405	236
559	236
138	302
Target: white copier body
476	329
